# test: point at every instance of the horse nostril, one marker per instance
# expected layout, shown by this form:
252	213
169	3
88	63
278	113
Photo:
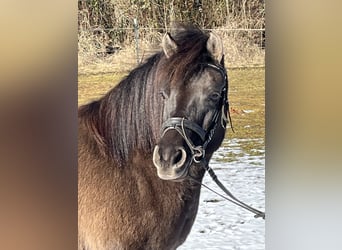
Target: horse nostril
177	157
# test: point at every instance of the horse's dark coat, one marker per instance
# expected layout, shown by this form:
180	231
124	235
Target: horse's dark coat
123	204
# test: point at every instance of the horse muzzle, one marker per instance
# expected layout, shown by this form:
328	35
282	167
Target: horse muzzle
171	163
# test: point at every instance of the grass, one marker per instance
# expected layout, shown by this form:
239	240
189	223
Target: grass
93	86
247	108
246	98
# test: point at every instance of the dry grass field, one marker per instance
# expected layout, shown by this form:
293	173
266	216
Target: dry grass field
246	97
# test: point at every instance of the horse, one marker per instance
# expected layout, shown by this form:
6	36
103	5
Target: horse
143	146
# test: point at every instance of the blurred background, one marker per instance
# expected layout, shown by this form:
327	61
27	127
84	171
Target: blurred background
38	124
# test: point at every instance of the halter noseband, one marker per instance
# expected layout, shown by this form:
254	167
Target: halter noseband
180	123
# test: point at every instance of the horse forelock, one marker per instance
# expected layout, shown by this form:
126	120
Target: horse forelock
190	56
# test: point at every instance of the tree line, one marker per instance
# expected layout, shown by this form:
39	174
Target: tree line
115	17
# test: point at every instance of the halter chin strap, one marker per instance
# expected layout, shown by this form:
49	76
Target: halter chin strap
180	123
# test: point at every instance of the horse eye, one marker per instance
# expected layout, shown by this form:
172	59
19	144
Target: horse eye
215	97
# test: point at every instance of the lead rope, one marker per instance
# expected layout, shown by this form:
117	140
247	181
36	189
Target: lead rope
232	198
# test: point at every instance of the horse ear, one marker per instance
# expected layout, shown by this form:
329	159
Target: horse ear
215	46
169	45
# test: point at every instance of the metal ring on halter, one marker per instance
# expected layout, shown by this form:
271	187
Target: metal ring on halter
198	154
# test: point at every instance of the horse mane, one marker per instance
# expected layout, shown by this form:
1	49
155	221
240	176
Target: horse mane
129	116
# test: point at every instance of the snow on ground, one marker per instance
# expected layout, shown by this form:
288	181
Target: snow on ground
221	224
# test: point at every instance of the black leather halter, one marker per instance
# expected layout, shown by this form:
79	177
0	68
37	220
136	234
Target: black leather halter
180	123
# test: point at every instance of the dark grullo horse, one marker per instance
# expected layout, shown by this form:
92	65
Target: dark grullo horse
144	145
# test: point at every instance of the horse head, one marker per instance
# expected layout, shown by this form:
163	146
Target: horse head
194	105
